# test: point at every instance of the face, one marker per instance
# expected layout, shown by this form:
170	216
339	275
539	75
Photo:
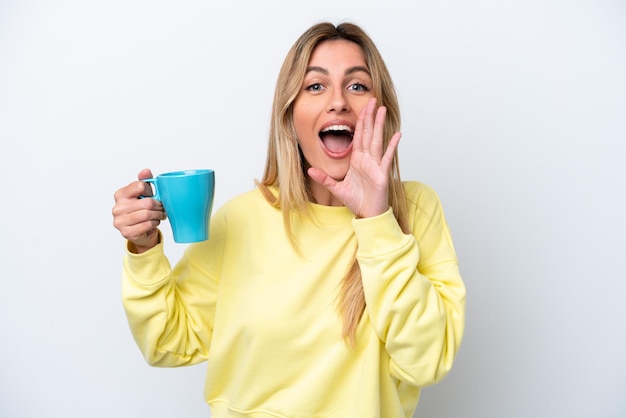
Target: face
336	86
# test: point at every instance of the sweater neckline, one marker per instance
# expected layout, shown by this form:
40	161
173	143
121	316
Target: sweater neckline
330	214
326	215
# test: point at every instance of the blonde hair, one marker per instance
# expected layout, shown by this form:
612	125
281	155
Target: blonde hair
285	168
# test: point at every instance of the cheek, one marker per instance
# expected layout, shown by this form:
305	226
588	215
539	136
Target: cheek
302	121
297	124
360	103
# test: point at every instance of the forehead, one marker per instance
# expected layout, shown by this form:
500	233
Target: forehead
337	52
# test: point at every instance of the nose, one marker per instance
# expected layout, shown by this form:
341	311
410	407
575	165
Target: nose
337	101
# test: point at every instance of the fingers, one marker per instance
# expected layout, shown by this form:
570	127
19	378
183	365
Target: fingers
145	174
129	210
370	129
138	233
376	144
321	177
365	126
137	225
134	190
147	188
135	218
387	159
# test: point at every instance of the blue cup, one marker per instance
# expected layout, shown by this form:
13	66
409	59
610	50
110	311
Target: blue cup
187	198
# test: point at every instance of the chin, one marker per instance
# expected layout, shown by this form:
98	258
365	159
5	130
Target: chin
338	175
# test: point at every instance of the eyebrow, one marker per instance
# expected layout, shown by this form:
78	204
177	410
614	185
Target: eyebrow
349	71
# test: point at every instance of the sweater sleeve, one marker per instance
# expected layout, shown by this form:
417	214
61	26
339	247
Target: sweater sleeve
414	293
170	311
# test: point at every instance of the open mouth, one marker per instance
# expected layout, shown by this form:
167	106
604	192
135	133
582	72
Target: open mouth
337	139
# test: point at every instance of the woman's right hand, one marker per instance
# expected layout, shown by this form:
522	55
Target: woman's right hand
137	219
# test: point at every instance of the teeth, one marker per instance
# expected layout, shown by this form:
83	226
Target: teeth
337	128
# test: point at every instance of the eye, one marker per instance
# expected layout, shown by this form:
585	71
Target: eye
358	87
315	87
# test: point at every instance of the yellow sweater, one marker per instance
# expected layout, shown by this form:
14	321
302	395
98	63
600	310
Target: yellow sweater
265	315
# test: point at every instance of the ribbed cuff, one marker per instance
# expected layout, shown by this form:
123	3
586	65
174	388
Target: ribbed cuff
149	268
379	235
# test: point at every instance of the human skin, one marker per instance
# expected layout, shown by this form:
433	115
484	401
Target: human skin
354	172
337	94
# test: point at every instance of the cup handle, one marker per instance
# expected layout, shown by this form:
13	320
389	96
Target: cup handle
155	190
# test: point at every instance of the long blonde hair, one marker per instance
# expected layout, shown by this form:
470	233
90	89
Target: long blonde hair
285	166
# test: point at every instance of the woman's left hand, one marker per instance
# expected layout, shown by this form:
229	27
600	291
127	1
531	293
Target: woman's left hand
365	188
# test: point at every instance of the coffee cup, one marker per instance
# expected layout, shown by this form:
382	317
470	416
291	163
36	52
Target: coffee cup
187	198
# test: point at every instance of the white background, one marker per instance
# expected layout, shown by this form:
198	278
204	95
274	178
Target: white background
514	111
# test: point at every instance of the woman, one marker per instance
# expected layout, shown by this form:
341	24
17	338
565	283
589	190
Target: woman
331	289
